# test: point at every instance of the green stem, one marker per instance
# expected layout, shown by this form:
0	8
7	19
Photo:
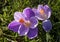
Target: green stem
48	37
26	38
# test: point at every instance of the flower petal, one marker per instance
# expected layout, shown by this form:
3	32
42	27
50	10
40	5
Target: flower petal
34	22
47	10
32	33
28	12
40	7
37	14
14	26
23	30
47	26
18	16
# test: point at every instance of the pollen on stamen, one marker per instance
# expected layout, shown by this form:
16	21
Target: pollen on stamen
41	11
21	20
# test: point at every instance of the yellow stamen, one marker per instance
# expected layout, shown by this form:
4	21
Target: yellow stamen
41	11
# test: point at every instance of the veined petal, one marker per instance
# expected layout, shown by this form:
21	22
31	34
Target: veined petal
14	26
32	33
47	26
34	22
23	30
37	14
40	7
47	10
18	16
28	12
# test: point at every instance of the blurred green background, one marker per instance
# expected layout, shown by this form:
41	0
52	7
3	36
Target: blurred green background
7	9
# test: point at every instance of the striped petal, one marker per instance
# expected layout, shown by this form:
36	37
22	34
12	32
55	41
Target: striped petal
47	26
23	30
18	16
14	26
28	12
47	10
32	33
34	22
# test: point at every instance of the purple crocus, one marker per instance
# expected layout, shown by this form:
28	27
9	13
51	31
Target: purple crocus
43	13
25	23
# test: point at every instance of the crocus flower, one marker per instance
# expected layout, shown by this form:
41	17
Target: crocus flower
25	23
43	13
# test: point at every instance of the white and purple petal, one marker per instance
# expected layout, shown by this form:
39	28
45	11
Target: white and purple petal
47	26
37	14
18	16
47	10
32	33
23	30
34	22
14	26
28	12
40	7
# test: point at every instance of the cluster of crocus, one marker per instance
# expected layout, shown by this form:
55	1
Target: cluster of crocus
43	13
25	23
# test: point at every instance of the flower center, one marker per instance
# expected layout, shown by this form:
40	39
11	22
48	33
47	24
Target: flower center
41	11
27	23
44	16
21	20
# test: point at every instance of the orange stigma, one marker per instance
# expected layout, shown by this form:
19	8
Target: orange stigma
21	20
41	11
